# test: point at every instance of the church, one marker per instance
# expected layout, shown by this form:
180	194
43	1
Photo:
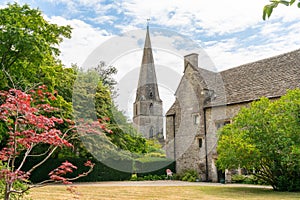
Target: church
206	101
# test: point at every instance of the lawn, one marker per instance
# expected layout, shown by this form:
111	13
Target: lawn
94	192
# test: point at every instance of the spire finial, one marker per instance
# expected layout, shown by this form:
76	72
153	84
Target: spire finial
148	21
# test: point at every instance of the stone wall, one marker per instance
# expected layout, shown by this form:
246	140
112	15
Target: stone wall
204	94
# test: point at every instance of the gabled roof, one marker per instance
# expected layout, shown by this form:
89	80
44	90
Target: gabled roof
270	77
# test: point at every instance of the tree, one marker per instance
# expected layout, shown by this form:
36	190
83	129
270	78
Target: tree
105	73
28	43
30	123
29	54
265	140
92	101
268	9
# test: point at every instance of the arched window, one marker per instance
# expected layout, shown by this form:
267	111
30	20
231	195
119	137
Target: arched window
151	132
151	108
151	95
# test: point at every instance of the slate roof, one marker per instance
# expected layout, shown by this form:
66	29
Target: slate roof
270	77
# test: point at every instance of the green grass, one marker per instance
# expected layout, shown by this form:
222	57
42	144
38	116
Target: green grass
94	192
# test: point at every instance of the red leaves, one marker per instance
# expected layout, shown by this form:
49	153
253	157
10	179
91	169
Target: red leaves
64	168
5	153
67	167
89	164
12	176
28	125
23	115
98	127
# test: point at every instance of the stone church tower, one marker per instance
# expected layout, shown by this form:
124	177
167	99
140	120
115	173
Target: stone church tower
147	108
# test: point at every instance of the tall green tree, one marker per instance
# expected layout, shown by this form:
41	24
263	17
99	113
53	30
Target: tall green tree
28	56
28	43
265	140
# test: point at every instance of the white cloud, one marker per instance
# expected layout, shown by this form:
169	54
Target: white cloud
215	17
221	25
230	53
103	20
217	20
84	40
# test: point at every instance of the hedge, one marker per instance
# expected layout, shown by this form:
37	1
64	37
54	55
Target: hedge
153	166
142	167
101	172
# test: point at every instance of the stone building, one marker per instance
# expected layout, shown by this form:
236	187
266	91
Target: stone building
206	101
147	108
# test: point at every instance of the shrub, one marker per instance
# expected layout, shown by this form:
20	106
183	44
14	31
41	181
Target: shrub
154	177
134	177
149	177
189	175
246	179
238	178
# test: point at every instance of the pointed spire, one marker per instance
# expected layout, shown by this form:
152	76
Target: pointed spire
147	40
147	108
147	55
147	85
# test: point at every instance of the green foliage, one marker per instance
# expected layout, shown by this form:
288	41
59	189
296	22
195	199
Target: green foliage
265	138
101	172
238	178
105	73
29	45
28	54
246	179
268	9
92	100
154	177
18	185
134	177
153	166
189	175
28	42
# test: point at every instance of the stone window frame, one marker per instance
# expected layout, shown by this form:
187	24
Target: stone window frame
136	109
151	108
151	132
196	118
200	142
220	123
151	95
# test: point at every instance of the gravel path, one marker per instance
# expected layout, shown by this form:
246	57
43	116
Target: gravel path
166	183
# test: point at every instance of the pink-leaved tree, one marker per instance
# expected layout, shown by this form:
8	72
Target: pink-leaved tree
29	122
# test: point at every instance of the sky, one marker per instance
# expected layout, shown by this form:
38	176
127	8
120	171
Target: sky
228	33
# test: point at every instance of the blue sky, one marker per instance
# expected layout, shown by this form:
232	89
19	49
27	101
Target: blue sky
231	32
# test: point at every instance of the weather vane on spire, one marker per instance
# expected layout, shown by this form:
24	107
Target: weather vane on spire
148	20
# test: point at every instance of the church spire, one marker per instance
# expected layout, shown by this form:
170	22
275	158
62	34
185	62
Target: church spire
147	85
147	108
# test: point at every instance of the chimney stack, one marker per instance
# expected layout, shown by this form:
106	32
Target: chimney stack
192	59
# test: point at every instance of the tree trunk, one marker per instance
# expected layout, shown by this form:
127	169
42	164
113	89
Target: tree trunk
7	191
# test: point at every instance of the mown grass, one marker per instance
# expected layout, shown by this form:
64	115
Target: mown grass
94	192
